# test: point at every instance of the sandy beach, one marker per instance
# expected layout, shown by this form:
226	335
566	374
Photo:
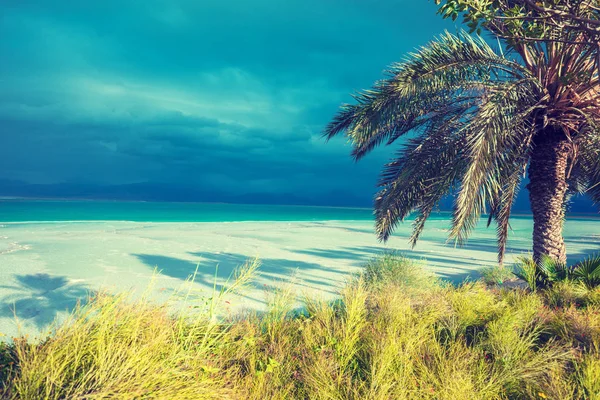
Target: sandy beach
47	267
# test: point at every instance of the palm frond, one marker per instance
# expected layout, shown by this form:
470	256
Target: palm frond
496	137
586	179
451	92
507	197
511	174
424	172
448	71
526	269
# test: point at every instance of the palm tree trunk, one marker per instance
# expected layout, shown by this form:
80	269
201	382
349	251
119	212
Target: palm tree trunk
547	190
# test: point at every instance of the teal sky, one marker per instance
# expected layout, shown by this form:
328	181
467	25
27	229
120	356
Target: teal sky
198	98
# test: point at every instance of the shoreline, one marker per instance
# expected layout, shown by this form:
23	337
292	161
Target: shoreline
577	217
91	221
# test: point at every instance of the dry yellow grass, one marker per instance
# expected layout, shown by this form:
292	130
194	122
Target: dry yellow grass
395	333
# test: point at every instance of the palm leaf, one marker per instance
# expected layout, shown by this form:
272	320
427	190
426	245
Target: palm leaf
495	147
586	180
552	270
422	174
511	174
450	70
526	270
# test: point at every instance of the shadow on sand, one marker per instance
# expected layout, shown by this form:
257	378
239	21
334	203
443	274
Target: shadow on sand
272	271
38	298
310	275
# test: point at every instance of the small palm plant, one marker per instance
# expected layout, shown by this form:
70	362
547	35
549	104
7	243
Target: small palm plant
474	123
588	271
547	271
541	274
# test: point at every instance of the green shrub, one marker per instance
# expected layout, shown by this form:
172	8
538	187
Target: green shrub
566	294
7	365
496	275
396	269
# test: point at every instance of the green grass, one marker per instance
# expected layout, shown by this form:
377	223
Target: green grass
396	333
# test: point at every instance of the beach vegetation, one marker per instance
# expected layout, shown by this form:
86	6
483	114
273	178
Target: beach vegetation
387	336
548	272
545	273
497	274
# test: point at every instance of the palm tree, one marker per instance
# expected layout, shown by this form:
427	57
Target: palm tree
475	122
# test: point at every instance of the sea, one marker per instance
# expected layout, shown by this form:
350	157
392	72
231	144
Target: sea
12	210
26	210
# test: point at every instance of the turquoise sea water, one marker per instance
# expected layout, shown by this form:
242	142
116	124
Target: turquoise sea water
42	210
60	210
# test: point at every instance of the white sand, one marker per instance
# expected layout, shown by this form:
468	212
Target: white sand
46	267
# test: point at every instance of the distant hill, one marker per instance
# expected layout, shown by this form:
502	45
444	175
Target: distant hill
148	191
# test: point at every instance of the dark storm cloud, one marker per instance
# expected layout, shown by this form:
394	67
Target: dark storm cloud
225	95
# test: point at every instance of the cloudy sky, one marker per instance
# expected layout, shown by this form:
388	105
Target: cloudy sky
225	96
